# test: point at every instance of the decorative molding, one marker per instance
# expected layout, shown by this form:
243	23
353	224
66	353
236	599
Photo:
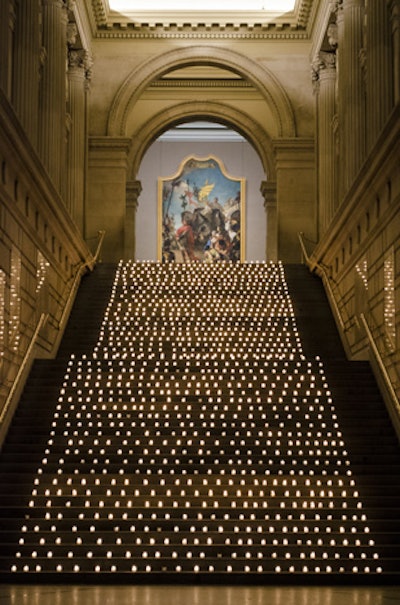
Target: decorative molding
268	190
261	78
214	34
100	12
26	168
121	144
200	83
202	24
110	152
184	112
133	191
380	166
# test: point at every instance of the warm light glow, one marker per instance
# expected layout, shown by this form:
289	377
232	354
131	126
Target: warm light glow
197	407
276	6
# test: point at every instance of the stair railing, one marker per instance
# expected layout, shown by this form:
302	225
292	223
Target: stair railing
391	399
6	414
394	403
312	265
90	264
21	370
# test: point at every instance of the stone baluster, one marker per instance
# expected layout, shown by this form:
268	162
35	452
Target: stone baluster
133	190
379	69
53	90
268	191
25	94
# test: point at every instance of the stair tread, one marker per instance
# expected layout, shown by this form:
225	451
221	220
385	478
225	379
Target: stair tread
335	438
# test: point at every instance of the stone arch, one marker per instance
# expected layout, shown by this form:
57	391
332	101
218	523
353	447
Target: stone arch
187	111
265	82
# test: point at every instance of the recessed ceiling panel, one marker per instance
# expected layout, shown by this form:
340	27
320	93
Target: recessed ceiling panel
280	6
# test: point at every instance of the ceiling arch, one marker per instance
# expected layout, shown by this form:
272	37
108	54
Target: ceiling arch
260	77
189	111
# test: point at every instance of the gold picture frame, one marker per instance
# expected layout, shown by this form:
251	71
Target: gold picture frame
201	213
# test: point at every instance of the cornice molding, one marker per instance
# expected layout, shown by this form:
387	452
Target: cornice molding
115	143
213	34
200	25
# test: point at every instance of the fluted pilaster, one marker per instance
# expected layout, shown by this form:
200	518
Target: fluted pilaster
53	89
7	21
394	6
133	190
268	191
351	92
379	69
77	138
326	109
26	68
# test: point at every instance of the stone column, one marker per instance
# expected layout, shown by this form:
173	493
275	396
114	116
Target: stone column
268	191
7	22
379	69
394	6
77	137
25	95
326	109
53	90
351	92
295	194
133	190
105	207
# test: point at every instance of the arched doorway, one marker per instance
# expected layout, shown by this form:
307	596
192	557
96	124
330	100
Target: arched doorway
238	92
201	139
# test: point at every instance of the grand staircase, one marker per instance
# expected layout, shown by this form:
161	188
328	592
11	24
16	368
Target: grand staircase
200	424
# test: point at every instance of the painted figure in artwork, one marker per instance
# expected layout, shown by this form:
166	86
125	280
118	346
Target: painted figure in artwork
201	214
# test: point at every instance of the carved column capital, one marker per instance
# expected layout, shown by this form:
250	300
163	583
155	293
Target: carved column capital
88	64
133	191
332	35
76	59
394	7
268	191
72	33
327	60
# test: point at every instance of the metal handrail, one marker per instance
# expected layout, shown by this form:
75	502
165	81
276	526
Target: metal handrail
82	267
312	265
43	319
101	234
381	363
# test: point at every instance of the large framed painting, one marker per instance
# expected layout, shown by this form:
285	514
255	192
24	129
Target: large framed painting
201	213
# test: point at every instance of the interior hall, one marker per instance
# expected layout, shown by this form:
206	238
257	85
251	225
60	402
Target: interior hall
199	302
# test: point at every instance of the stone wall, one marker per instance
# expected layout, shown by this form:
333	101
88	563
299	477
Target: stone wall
361	252
41	251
